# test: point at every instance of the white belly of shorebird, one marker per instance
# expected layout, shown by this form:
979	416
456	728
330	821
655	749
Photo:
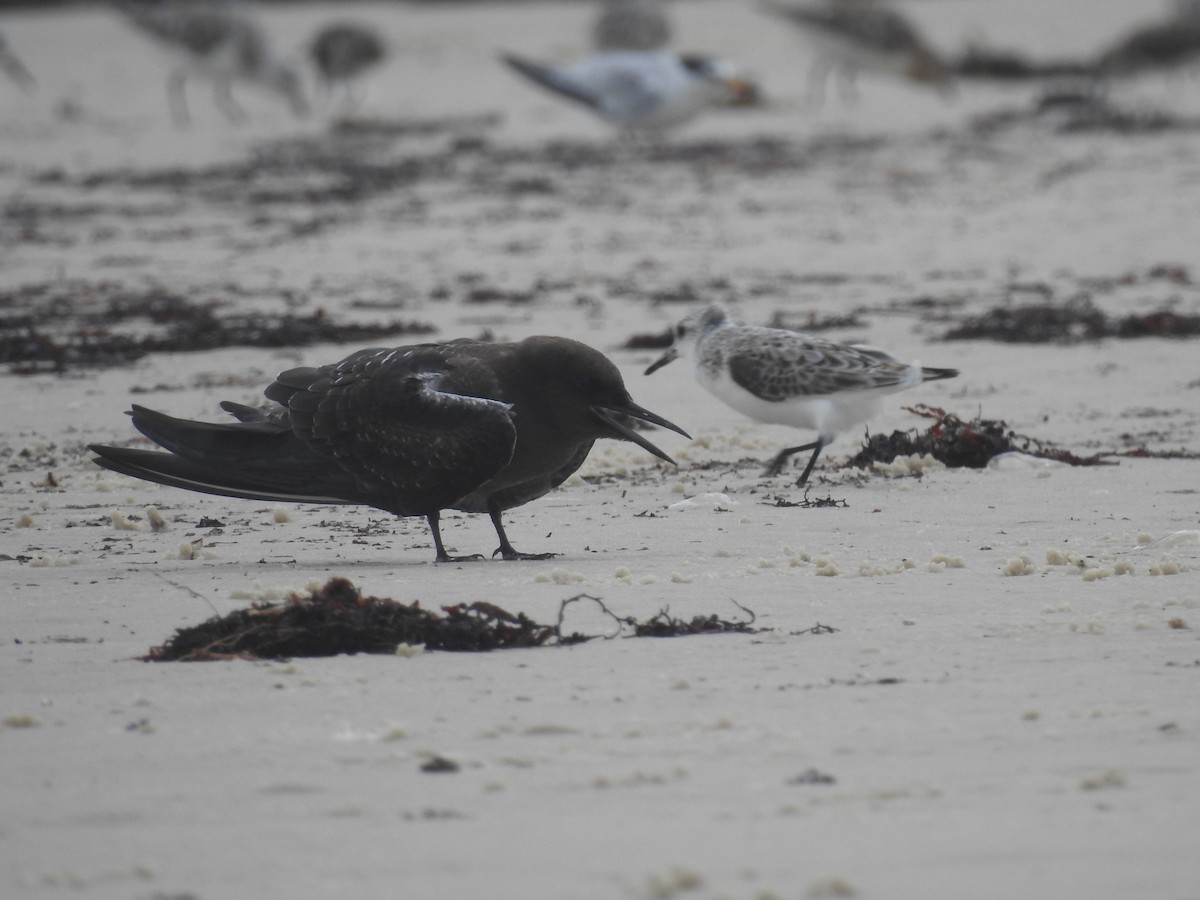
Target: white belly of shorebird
827	414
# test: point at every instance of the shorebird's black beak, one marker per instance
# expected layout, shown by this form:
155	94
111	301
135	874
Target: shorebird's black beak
608	415
671	354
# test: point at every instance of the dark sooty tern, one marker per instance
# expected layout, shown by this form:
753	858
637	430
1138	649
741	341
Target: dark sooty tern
466	425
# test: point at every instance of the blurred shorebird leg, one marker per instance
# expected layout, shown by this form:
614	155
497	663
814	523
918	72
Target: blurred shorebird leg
177	98
227	103
818	75
847	82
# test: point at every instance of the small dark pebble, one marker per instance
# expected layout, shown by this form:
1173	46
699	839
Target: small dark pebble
439	764
812	776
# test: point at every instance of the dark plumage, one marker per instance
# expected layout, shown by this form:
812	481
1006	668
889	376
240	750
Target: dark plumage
464	425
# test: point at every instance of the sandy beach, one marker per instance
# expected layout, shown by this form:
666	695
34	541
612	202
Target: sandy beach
1001	700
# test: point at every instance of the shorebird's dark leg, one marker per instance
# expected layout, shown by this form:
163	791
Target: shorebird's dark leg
782	457
442	555
176	98
812	460
507	550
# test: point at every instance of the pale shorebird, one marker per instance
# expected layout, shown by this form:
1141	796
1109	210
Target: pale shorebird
213	39
466	425
853	35
638	90
631	25
1171	43
13	67
341	54
783	377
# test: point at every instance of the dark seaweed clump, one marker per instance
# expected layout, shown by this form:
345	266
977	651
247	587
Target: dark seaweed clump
55	330
960	443
338	619
988	64
1072	322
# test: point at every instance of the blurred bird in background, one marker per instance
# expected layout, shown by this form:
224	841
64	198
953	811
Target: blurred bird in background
214	40
854	35
635	90
342	53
